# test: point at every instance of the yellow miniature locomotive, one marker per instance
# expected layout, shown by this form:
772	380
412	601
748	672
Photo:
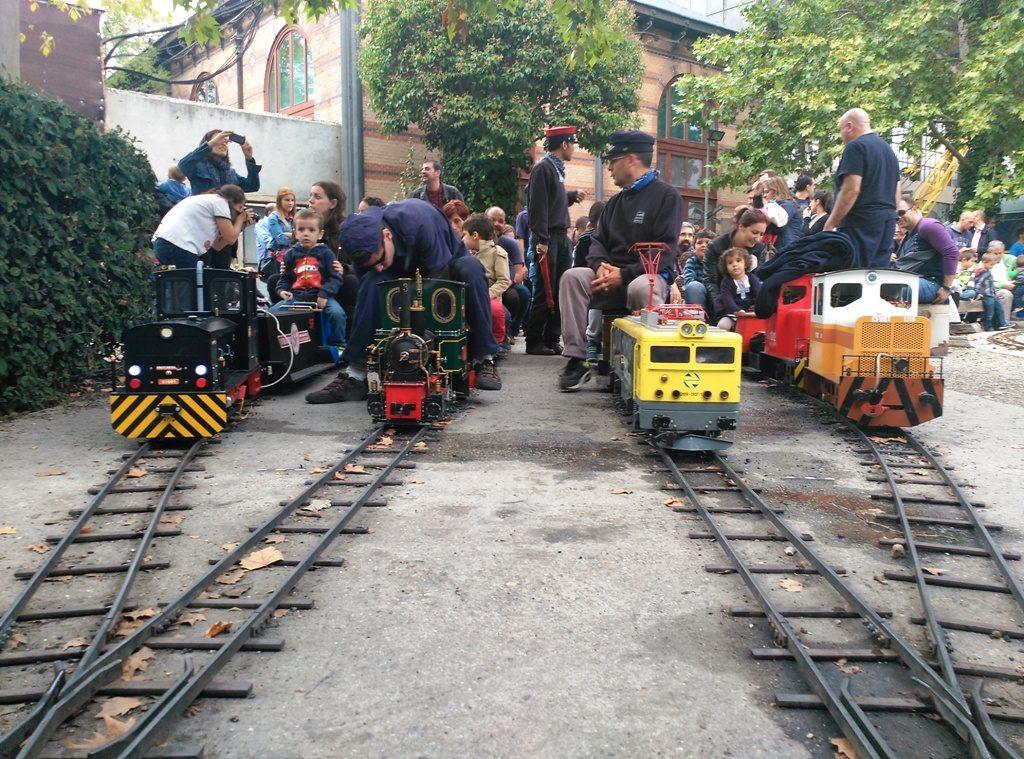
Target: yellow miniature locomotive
676	377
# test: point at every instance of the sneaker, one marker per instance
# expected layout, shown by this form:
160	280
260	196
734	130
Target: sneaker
1004	328
343	388
487	377
502	353
574	376
539	349
555	348
593	351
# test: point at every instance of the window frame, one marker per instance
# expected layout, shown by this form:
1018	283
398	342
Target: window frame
198	87
271	81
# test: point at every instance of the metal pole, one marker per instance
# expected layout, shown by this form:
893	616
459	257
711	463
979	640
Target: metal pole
707	170
352	178
598	178
239	51
10	47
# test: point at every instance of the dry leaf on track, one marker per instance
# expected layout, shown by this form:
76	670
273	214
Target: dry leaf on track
218	628
621	491
118	706
112	730
39	547
274	539
317	504
355	468
229	546
674	502
75	643
261	559
230	578
933	570
136	472
190	618
7	530
278	613
171	519
843	748
340	477
420	446
16	640
848	670
793	586
137	662
140	614
317	470
51	472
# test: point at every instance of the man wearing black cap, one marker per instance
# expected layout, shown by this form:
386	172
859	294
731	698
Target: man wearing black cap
647	210
394	242
548	213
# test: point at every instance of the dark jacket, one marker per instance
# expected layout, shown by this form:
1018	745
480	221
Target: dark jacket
205	172
582	248
817	226
449	192
653	213
729	300
987	235
423	237
716	248
792	232
547	202
825	251
330	283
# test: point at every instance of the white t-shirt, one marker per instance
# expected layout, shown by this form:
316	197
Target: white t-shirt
192	224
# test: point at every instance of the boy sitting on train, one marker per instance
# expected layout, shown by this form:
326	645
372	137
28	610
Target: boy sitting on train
985	285
308	275
691	281
478	235
738	288
962	289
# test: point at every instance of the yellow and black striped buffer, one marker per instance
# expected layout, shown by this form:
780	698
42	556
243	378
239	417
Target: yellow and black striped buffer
152	416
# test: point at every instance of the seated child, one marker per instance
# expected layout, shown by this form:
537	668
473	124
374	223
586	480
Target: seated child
307	274
1018	290
478	234
691	283
964	274
738	289
985	286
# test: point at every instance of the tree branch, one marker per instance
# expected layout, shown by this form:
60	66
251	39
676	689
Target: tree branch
941	139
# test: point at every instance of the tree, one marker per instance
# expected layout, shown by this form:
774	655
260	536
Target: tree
127	46
944	72
484	99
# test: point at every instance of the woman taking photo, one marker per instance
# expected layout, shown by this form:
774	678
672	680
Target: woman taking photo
200	227
751	224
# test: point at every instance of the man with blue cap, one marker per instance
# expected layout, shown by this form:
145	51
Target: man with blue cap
393	242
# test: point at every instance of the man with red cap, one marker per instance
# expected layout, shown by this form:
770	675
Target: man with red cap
548	212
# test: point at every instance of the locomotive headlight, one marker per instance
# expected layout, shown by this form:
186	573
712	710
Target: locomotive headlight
724	394
686	329
135	370
201	370
702	329
166	333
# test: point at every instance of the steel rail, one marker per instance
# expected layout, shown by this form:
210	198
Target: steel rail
57	553
107	667
863	740
946	701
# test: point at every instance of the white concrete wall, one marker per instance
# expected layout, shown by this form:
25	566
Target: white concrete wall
293	152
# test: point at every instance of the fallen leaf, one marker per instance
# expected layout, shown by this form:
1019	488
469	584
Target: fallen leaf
112	730
618	437
340	477
140	614
880	580
51	472
39	547
848	670
384	442
237	591
355	468
75	643
420	446
230	578
260	559
16	640
933	570
274	539
171	519
190	618
793	586
898	551
118	706
921	472
193	710
789	551
137	662
218	628
278	613
842	748
125	628
317	504
136	472
391	432
86	529
674	502
317	470
621	491
883	439
229	546
7	530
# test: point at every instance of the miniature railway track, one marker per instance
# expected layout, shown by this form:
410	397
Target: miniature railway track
965	585
1012	339
305	526
34	615
841	628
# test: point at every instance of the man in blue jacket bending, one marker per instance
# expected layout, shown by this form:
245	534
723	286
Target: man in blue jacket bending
394	242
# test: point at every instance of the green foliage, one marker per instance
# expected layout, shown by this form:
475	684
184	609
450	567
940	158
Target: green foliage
797	65
483	100
76	215
137	54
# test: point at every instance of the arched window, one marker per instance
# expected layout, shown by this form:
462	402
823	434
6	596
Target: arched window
683	152
204	91
289	86
670	125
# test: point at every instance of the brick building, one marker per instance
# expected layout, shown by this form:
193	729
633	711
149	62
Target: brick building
300	71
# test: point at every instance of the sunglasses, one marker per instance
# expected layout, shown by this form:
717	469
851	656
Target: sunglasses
901	212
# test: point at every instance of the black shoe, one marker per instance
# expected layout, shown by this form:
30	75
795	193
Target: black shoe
555	348
343	388
538	349
574	376
487	377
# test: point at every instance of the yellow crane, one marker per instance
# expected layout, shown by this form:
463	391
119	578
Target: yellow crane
938	179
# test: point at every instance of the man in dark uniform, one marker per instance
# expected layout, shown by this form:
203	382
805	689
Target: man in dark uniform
393	242
548	213
647	210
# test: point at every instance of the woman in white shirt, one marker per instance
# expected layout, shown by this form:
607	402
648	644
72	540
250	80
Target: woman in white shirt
200	224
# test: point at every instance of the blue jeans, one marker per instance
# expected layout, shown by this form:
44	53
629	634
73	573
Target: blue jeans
994	318
466	268
697	294
333	313
525	299
927	291
1018	297
170	254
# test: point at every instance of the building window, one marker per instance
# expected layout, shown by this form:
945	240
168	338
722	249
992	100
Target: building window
682	152
670	125
684	172
204	91
289	84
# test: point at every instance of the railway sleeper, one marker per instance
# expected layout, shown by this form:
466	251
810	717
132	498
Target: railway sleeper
888	704
768	569
71	612
215	689
320	563
912	481
287	529
725	510
376	503
949	548
138	509
102	537
699	535
947	582
937	521
140	489
927	500
21	658
101	569
827	654
974	627
675	487
167	470
805	612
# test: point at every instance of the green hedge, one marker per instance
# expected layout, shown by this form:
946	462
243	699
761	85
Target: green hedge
76	215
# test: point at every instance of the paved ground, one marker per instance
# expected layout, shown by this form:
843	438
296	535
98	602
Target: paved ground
507	603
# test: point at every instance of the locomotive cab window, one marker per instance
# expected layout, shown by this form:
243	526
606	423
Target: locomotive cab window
670	354
818	299
226	296
716	355
897	293
177	296
443	305
845	293
793	294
